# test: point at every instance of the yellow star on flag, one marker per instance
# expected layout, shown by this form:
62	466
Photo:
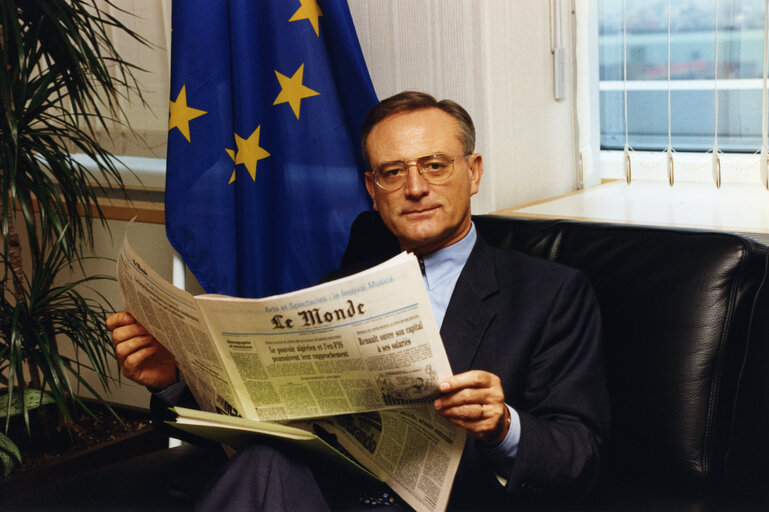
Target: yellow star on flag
308	11
231	152
292	91
181	114
249	152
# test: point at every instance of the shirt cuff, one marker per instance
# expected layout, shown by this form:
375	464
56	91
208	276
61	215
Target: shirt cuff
507	449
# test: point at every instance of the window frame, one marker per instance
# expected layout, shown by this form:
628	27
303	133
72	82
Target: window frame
645	164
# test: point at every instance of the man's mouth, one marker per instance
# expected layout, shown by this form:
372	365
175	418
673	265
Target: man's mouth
415	212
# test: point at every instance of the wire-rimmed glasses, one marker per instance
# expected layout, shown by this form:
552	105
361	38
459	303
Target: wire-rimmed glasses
435	169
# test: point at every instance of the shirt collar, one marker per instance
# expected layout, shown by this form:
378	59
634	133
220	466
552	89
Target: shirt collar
448	262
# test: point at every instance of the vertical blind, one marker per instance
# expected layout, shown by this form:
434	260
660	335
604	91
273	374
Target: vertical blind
659	62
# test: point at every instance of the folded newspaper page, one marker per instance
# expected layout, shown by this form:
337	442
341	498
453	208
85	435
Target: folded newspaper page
240	432
364	343
171	315
415	451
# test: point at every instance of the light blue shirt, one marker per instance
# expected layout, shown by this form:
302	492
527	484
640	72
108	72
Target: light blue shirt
440	272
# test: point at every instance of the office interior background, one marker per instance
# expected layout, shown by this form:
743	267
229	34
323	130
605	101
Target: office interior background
557	89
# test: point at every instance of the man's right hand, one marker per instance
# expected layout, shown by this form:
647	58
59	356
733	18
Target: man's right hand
140	356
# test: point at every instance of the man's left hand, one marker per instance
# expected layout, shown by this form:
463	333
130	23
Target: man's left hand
475	401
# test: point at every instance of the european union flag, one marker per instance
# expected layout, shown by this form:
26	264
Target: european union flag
264	173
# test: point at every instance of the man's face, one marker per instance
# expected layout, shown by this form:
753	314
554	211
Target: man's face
425	217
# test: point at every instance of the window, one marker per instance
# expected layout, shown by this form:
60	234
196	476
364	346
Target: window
639	31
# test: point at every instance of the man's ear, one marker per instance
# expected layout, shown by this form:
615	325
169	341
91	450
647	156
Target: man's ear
475	164
371	186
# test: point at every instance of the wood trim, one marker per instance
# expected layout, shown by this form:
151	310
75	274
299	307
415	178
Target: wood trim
144	211
122	209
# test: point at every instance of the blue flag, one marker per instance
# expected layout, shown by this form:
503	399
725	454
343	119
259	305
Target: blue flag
264	172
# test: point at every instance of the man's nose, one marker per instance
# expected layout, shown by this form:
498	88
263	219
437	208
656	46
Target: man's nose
416	185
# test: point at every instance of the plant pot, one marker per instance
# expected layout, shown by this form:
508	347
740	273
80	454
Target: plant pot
59	458
44	430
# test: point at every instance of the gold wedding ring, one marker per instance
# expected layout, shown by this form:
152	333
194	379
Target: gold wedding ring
481	410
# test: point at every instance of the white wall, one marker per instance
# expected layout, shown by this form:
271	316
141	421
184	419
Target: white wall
493	57
150	242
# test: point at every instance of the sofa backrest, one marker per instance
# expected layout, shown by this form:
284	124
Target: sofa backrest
686	325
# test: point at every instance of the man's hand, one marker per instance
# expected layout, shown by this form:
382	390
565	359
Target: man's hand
140	356
475	401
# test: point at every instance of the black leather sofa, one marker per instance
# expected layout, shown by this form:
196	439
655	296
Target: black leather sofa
686	317
686	325
686	322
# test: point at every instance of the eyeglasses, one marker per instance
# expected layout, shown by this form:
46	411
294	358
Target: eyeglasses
435	169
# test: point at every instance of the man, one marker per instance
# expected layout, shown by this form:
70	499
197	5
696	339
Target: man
522	334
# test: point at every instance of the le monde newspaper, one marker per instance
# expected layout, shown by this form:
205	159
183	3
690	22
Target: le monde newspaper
349	368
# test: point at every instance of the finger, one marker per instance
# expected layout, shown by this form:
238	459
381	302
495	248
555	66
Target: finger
465	412
462	397
487	395
119	319
487	423
475	425
130	346
126	332
475	411
471	379
135	363
142	353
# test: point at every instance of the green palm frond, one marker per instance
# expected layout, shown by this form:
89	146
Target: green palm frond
62	79
49	314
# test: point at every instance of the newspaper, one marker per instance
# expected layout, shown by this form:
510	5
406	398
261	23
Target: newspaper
415	451
342	353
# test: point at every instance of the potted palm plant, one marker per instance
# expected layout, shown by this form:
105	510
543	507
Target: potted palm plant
60	81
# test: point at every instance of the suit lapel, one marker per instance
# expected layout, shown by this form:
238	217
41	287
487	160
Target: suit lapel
467	318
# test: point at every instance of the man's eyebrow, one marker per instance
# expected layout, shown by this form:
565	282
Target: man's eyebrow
434	153
389	162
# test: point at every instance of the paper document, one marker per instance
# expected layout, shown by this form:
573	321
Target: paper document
359	357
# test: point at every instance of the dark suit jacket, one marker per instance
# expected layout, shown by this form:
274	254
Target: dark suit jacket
536	325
